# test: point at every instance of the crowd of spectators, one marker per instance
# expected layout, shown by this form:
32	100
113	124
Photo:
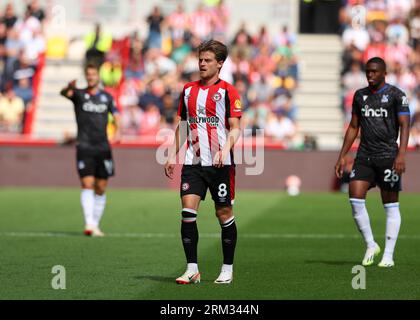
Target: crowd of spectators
21	45
389	29
262	66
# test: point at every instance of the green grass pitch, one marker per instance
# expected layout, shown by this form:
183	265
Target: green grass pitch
300	247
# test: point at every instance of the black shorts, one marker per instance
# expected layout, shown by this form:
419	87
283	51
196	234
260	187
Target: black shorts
195	179
378	172
95	163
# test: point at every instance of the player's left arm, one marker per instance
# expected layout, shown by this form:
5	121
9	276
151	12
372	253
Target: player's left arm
399	163
403	113
233	136
234	111
117	121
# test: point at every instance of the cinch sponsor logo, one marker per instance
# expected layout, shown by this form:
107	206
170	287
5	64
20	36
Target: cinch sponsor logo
374	113
91	107
213	121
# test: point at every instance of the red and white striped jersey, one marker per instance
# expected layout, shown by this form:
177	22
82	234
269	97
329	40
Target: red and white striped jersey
207	110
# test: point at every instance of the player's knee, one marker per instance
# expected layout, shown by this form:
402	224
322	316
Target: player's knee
224	213
99	191
189	215
87	185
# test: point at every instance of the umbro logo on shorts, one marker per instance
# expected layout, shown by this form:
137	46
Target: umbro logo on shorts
81	165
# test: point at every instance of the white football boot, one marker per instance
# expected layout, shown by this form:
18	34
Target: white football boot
96	232
386	262
370	255
225	277
189	277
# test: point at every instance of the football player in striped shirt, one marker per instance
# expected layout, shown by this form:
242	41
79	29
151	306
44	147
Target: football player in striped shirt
209	115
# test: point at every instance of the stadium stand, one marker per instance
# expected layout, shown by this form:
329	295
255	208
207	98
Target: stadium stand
22	48
391	30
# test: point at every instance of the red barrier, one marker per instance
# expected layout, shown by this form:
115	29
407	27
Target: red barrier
31	109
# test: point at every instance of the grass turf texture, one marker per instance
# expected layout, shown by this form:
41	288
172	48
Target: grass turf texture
288	247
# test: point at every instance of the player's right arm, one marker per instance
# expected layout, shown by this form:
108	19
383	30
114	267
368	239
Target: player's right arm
179	140
351	135
68	91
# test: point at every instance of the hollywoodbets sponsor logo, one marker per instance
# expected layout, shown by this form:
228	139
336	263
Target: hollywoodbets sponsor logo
213	121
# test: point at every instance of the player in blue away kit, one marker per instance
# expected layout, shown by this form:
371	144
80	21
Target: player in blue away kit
381	112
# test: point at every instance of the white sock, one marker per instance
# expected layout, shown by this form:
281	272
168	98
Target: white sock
193	267
361	218
227	267
98	209
393	222
87	200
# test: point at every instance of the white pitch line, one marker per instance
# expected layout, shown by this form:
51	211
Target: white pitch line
202	235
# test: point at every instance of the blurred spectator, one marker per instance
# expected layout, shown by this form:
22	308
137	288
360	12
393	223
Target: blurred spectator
201	22
27	27
35	47
283	37
131	121
22	69
255	116
178	22
402	77
358	36
169	111
153	95
397	31
157	65
378	46
9	17
279	127
263	64
261	90
13	46
220	20
111	72
282	100
398	8
150	120
242	43
97	43
242	88
415	103
350	55
414	140
414	25
287	60
241	67
36	10
23	89
351	81
155	20
262	38
180	50
11	112
309	143
135	66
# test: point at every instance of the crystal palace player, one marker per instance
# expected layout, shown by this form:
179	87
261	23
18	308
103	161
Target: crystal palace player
381	111
209	111
94	158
